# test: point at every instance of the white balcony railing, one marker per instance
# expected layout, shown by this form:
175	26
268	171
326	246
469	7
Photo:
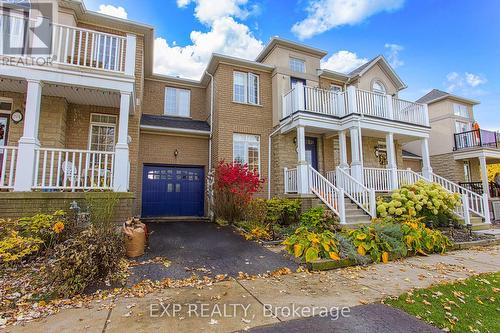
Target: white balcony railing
8	159
75	46
72	169
353	101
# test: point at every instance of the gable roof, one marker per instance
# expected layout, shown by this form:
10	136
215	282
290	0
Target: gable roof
407	154
380	59
290	44
436	95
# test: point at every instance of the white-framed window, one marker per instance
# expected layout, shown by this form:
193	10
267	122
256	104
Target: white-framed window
378	87
246	150
460	110
245	88
13	28
297	65
177	102
461	126
5	105
102	132
335	88
467	175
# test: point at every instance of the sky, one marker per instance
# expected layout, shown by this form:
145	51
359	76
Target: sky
449	45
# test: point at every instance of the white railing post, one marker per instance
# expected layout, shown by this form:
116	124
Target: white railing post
341	207
352	106
390	109
465	207
130	55
298	97
426	115
373	203
285	179
120	172
28	143
391	161
486	203
426	161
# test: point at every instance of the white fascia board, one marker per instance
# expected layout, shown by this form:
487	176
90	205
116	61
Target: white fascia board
71	78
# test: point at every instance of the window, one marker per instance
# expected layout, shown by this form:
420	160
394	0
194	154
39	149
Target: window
246	150
13	28
461	127
460	110
335	88
467	176
245	88
297	65
378	87
177	102
102	132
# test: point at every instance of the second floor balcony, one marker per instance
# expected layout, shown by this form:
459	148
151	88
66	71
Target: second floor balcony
477	138
353	101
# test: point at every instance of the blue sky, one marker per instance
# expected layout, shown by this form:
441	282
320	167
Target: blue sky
449	45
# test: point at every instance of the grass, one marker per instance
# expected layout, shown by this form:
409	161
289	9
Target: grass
470	305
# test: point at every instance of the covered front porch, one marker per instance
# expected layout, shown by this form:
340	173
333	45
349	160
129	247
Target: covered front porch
58	137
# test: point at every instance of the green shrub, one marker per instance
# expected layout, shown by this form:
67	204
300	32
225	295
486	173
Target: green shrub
14	247
421	199
91	257
319	219
50	228
101	209
420	239
283	211
312	246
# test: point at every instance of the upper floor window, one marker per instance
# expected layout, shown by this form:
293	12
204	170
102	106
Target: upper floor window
102	132
177	102
246	150
14	29
335	88
378	87
461	127
245	88
297	65
460	110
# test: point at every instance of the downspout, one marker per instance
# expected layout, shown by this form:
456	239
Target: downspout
210	212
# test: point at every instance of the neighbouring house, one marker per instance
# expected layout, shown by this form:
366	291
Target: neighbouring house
98	119
459	150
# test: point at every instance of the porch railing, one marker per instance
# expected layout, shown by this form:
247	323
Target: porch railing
327	192
372	104
314	99
476	138
88	48
408	177
409	112
8	159
476	187
73	169
377	178
290	180
361	195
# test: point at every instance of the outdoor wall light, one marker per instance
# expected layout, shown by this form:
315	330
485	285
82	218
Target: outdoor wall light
176	152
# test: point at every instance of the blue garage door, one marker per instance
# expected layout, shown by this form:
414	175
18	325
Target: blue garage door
172	191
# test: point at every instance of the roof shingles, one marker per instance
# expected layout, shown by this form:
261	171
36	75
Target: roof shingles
174	122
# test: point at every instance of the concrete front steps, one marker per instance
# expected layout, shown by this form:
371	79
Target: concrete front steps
478	224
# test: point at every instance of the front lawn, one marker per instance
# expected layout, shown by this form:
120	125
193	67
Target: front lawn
471	305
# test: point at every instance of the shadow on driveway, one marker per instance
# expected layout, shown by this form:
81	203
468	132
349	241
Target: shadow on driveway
204	249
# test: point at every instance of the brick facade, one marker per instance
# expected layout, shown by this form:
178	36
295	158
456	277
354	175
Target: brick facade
445	166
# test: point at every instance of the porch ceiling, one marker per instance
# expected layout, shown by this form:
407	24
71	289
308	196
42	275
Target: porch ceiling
73	94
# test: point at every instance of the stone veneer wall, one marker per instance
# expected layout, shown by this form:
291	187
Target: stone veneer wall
446	166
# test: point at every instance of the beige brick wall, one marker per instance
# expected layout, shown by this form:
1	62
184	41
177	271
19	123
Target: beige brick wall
233	117
154	101
415	165
446	166
159	149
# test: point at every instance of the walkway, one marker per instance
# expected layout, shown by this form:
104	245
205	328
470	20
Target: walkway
254	300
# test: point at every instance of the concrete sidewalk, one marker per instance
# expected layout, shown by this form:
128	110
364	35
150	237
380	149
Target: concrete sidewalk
238	305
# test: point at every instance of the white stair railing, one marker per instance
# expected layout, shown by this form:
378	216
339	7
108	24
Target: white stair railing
478	204
332	177
377	178
361	195
290	176
8	159
328	193
408	177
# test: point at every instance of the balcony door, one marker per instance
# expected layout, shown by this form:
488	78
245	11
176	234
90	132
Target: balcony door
293	83
312	152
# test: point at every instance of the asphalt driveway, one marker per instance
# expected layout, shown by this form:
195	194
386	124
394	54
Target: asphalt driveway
204	249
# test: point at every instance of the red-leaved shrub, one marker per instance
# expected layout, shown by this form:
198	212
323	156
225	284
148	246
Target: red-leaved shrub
234	186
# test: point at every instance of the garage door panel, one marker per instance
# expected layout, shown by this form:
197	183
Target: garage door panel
172	191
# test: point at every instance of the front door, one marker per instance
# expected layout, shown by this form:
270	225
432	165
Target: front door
4	128
312	152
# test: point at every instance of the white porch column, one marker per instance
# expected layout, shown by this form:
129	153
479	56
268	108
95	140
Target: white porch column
484	175
343	150
302	172
121	167
25	166
352	104
356	163
391	161
426	160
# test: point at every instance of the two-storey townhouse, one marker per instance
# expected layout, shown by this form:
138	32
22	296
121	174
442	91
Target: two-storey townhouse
311	133
459	149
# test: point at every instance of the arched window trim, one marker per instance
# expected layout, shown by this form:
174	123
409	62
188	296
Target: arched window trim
381	84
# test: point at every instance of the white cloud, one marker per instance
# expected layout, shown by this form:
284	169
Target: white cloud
343	61
323	15
207	11
467	83
393	54
226	36
111	10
